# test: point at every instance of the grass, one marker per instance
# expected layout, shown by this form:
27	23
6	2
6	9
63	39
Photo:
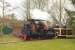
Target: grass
51	44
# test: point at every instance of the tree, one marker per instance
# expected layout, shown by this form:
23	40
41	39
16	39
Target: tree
32	4
4	6
73	1
26	9
40	4
71	20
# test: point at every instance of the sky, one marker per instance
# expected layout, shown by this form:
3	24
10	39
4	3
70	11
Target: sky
36	13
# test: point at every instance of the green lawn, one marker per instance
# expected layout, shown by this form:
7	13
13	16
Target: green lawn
52	44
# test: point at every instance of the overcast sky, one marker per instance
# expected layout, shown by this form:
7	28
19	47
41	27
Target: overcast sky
36	13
